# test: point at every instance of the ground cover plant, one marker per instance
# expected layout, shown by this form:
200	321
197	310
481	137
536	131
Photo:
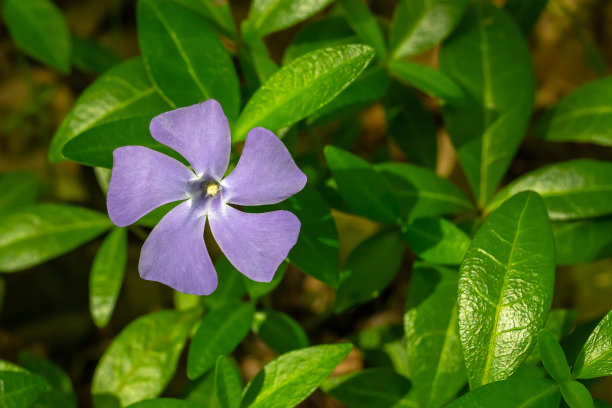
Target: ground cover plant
239	238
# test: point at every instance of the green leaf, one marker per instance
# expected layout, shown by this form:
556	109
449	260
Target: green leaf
420	24
219	333
583	240
553	357
559	323
18	188
512	393
259	289
201	68
300	88
601	404
280	331
57	379
123	92
327	32
431	81
571	190
422	193
202	391
164	403
437	240
364	23
231	285
36	233
20	389
434	356
584	115
525	13
106	276
257	53
90	56
289	379
486	129
361	186
506	288
576	395
228	383
370	388
595	357
40	30
268	16
142	359
369	269
217	12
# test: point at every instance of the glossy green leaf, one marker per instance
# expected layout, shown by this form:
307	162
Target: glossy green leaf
231	285
361	186
280	331
422	193
219	333
228	383
595	357
327	32
431	81
571	190
142	359
36	233
420	24
434	356
485	50
123	92
106	276
57	379
164	403
576	395
90	56
268	16
201	68
559	323
437	240
583	240
525	13
364	23
584	115
505	288
553	357
18	188
202	391
369	269
259	289
20	389
300	88
289	379
40	30
512	393
370	388
217	12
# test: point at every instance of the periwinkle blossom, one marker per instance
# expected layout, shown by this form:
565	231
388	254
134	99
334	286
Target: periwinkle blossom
174	253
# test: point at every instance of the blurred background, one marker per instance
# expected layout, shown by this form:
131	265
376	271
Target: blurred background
45	309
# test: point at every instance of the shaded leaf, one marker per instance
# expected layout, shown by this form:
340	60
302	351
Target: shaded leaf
525	13
231	285
228	383
364	23
268	16
90	56
20	389
18	188
437	240
280	331
576	395
431	81
559	323
217	12
57	379
259	289
583	240
553	357
164	403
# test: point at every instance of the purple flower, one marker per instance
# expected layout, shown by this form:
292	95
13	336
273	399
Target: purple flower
174	253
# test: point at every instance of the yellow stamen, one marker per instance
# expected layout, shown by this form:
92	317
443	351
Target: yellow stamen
212	189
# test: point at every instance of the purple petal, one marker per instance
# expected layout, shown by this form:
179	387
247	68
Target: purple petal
255	244
175	253
266	172
200	133
142	180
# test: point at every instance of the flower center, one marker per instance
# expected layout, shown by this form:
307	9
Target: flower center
211	188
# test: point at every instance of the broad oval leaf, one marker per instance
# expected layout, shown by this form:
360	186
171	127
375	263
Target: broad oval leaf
576	395
366	26
228	383
595	357
437	240
218	334
420	24
369	269
259	289
18	188
485	50
200	66
288	380
36	233
512	393
300	88
106	276
553	357
40	30
506	288
92	57
142	359
58	381
123	92
571	190
431	81
280	331
165	403
582	240
584	115
434	356
19	389
231	285
217	12
268	16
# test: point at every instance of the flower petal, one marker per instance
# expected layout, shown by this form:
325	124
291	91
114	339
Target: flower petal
265	173
200	133
142	180
255	244
175	254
